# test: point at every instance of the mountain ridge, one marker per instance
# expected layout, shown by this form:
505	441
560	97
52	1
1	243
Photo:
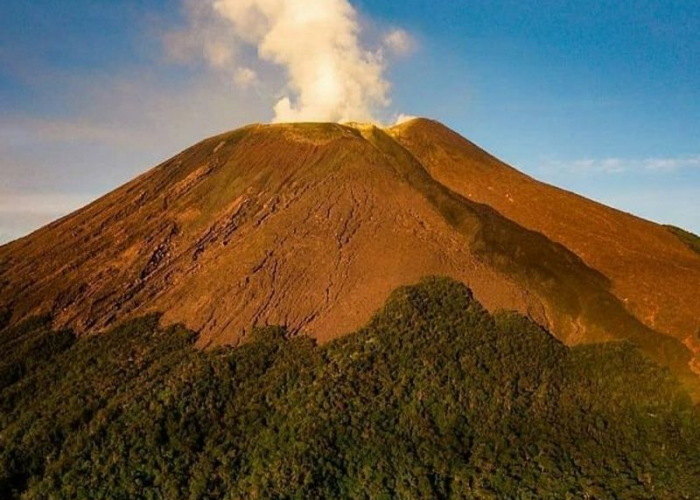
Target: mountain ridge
312	226
647	253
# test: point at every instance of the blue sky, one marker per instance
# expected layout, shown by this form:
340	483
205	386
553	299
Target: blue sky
599	97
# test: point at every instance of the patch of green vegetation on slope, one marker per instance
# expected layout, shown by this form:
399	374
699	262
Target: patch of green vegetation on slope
435	398
29	345
690	239
574	289
575	293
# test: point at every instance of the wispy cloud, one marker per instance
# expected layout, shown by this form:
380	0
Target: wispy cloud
623	165
671	164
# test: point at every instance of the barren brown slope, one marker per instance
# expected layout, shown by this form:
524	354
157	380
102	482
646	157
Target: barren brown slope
304	225
653	272
310	226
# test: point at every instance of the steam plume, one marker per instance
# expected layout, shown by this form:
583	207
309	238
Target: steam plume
329	75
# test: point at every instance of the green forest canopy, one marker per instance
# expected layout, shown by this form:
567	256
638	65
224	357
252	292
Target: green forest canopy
435	398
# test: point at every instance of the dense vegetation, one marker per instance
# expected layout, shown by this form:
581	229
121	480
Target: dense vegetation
435	398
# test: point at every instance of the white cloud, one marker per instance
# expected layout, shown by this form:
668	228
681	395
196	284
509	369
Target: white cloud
329	74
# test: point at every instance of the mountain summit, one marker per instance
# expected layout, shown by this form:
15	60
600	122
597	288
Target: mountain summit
312	226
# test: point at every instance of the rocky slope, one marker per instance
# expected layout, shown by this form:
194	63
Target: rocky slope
312	226
654	273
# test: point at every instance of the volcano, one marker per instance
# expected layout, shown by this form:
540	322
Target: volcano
312	226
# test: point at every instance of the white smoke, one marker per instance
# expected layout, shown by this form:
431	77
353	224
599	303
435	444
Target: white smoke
329	74
205	37
245	77
403	118
399	41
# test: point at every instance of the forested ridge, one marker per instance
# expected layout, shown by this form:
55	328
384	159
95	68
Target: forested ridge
435	398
